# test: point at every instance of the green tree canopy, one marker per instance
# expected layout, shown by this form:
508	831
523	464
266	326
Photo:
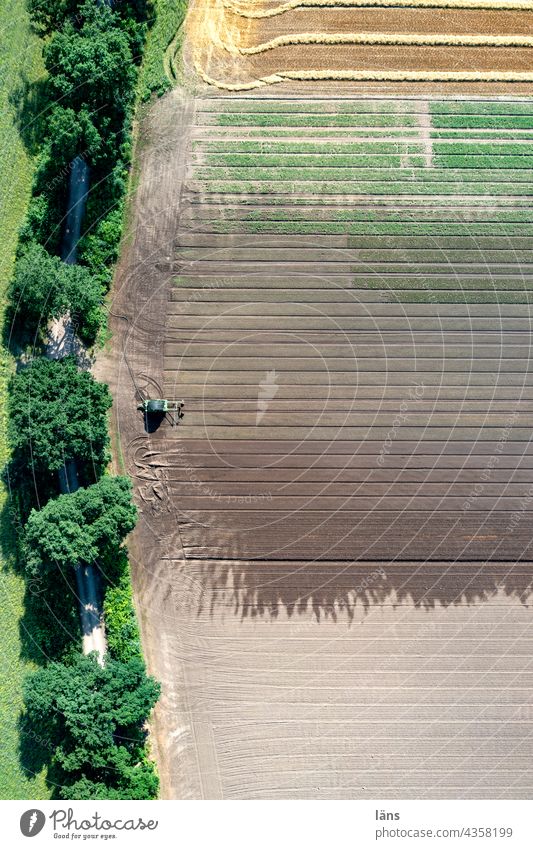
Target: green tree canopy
51	15
43	287
92	64
86	526
57	413
94	718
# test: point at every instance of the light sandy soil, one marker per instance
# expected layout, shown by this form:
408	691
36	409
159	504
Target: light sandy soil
324	625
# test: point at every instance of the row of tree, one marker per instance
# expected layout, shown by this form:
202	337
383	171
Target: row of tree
85	722
82	109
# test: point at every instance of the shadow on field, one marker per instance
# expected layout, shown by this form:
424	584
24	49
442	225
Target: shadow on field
346	590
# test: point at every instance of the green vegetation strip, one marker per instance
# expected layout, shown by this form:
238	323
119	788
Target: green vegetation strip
319	120
236	106
280	161
508	235
262	106
501	107
507	163
411	175
376	148
430	297
20	63
83	724
392	187
490	122
168	16
379	217
457	284
274	148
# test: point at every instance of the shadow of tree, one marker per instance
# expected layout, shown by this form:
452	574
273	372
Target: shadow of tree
30	103
346	590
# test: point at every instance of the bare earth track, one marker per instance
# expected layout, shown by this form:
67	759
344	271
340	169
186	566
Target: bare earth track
333	563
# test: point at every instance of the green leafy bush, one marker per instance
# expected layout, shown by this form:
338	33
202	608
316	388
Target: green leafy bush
93	719
43	287
99	249
122	631
57	413
85	526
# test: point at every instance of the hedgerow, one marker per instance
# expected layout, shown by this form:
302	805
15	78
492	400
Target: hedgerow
93	719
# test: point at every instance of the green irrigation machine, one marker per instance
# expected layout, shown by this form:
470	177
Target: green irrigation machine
160	407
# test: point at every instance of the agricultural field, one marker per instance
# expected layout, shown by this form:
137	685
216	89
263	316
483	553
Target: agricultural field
485	44
333	562
20	61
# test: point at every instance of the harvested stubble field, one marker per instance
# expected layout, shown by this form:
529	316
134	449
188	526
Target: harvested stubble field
241	46
333	563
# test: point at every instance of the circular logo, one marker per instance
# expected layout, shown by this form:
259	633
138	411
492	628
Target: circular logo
32	822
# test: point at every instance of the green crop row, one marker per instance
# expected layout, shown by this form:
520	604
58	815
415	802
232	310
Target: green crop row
245	106
482	107
484	162
381	217
304	132
279	161
524	122
373	147
462	148
418	296
438	254
392	187
411	176
238	106
459	284
383	231
250	119
446	242
501	134
264	148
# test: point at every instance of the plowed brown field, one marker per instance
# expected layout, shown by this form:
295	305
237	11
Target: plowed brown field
333	560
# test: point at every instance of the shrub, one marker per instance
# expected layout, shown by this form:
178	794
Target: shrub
122	631
100	248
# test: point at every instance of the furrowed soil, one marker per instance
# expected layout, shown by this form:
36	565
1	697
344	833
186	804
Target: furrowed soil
230	48
333	560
